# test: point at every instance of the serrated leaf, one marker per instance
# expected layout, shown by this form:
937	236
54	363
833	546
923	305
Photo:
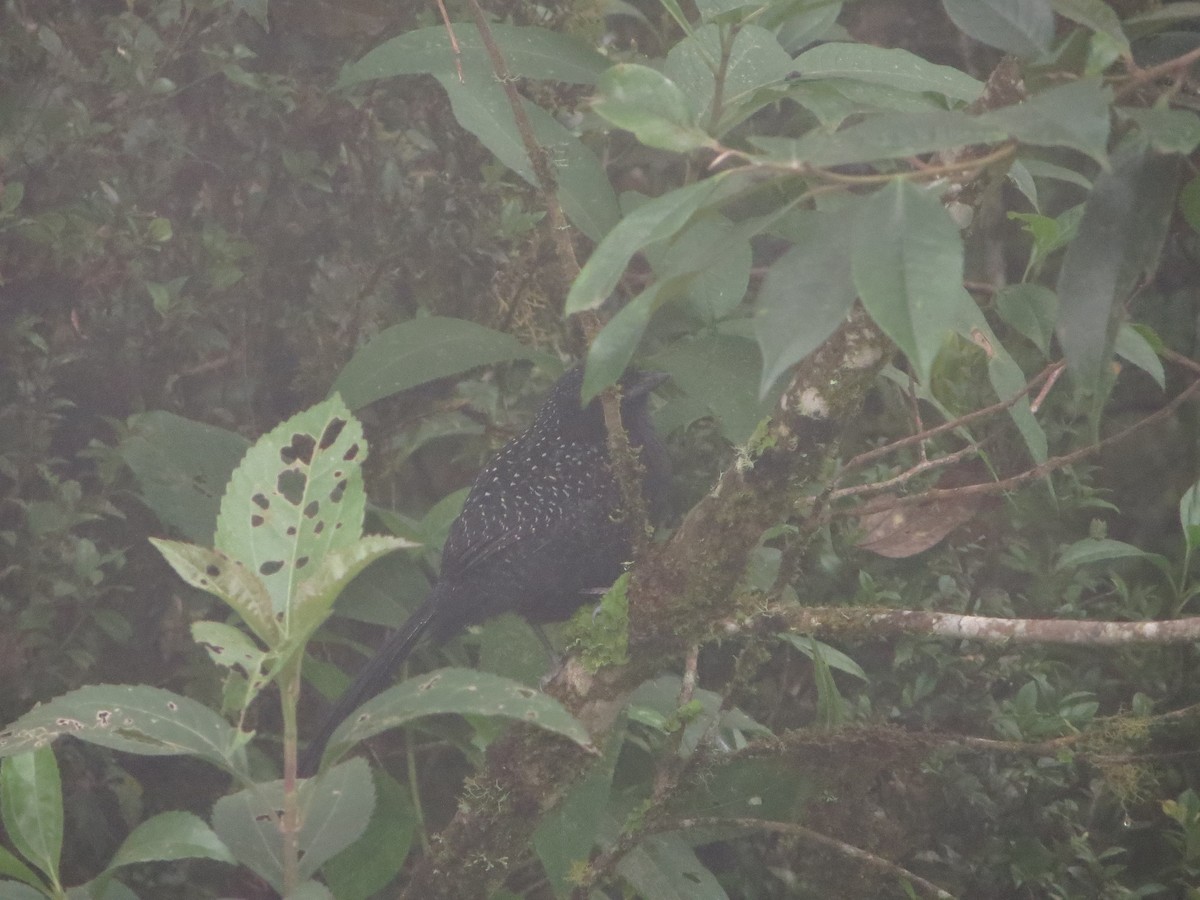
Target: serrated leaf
1020	27
422	350
133	718
229	579
229	647
296	497
31	808
646	102
529	53
334	811
182	468
458	691
170	835
316	593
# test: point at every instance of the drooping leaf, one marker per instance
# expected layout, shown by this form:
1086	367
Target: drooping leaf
806	293
1032	310
132	718
230	579
1132	346
422	350
460	691
907	267
1123	227
1074	115
1093	550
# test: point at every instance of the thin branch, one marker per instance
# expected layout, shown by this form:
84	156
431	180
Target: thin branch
879	622
1008	484
871	861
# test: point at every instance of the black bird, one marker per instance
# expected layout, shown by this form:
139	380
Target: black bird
540	527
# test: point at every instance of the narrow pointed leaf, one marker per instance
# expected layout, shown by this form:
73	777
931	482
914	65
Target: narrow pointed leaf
171	835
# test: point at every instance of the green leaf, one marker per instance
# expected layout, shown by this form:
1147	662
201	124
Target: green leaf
1092	550
366	866
806	293
170	835
1096	15
833	658
1167	130
529	53
884	136
895	68
315	594
1032	310
14	868
422	350
649	104
1074	115
613	348
229	647
11	890
31	808
1124	224
653	221
334	811
229	579
1132	346
1189	516
1019	27
1189	203
664	867
722	371
907	263
296	497
182	468
755	59
583	189
460	691
133	718
719	253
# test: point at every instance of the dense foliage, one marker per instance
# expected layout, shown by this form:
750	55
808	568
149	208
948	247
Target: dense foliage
215	214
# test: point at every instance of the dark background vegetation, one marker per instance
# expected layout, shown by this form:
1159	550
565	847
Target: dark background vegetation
206	228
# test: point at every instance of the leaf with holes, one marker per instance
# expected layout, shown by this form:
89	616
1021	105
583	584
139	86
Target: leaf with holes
296	497
229	579
134	718
461	691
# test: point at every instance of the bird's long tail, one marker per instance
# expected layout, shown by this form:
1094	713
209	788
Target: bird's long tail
369	681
